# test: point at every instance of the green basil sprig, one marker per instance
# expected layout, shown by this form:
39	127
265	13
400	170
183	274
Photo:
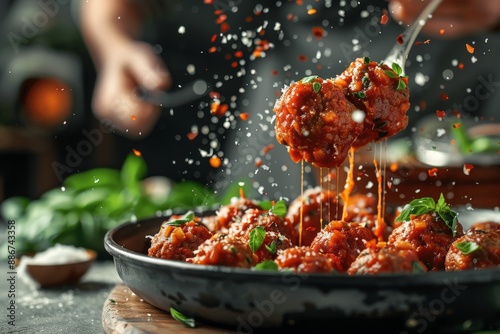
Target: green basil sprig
467	247
426	205
278	208
257	235
266	265
188	322
397	73
187	217
315	84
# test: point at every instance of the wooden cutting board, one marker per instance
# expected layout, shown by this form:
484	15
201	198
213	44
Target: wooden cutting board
126	313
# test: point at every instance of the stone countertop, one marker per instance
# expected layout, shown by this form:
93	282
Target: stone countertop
71	309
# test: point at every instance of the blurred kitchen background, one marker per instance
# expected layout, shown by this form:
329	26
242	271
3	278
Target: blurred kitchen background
46	79
47	129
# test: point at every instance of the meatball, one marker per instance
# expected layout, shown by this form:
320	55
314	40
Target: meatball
486	226
223	250
373	88
430	236
477	249
229	213
314	120
393	258
342	242
318	206
178	242
362	209
302	259
277	232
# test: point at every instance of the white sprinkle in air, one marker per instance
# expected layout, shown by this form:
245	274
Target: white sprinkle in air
358	116
448	74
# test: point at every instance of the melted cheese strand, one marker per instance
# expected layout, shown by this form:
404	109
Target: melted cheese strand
349	184
320	198
301	201
379	228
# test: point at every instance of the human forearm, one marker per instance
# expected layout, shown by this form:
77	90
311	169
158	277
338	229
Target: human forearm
106	25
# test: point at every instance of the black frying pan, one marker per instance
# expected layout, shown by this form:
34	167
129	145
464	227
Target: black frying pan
249	301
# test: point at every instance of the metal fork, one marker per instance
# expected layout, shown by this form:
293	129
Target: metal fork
400	51
171	99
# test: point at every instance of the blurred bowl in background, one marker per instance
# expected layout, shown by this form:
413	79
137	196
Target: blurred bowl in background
62	271
438	143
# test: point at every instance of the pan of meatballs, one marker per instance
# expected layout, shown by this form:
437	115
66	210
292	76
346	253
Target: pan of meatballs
254	267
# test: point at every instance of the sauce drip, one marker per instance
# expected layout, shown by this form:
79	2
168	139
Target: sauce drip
349	184
302	201
380	224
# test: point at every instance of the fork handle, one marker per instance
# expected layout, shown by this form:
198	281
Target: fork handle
400	51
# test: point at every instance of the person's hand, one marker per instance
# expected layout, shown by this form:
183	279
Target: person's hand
453	18
115	100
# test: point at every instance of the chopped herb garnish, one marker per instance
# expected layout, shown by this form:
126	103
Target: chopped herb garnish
309	79
266	265
266	205
426	205
271	248
417	267
279	209
397	73
257	235
391	74
367	60
401	84
187	217
361	95
397	69
111	300
189	322
467	247
316	86
276	208
365	81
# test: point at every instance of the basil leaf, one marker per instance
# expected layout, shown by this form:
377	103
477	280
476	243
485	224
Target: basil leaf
256	239
427	204
417	267
361	95
133	170
279	209
309	79
466	247
266	205
189	322
391	74
449	216
441	203
316	86
187	217
397	69
271	248
417	207
401	84
365	81
266	265
96	177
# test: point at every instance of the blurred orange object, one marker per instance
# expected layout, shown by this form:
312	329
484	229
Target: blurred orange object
46	102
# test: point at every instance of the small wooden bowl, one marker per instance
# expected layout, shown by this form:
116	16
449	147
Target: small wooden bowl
52	275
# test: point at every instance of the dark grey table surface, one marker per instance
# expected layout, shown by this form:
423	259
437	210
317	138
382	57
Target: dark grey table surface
71	309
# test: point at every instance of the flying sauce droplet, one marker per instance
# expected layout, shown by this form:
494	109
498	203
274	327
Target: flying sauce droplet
215	161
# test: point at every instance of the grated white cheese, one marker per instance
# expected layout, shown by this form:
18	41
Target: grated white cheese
58	254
